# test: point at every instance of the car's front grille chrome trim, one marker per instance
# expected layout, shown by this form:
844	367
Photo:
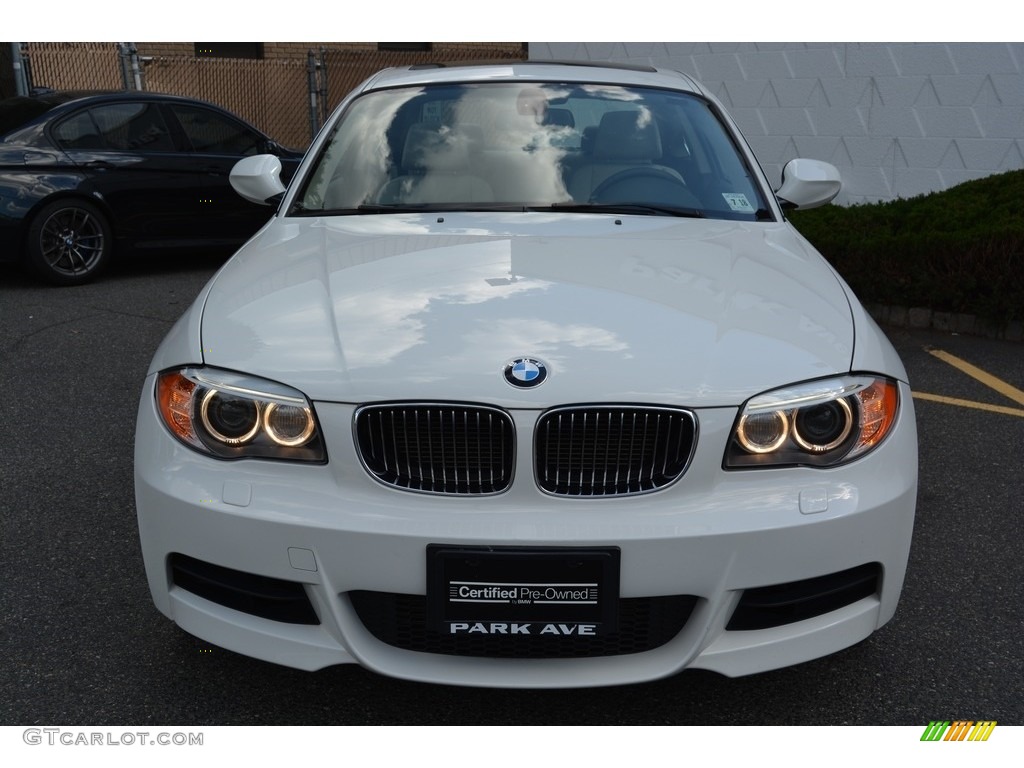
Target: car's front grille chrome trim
612	450
446	448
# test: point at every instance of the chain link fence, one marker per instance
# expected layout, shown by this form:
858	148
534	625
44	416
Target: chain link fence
269	93
287	98
73	66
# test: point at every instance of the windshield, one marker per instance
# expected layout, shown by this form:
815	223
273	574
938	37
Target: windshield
500	146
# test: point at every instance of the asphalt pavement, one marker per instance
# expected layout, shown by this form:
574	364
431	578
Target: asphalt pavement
83	643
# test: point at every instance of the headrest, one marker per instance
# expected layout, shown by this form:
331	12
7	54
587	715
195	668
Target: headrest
629	135
560	117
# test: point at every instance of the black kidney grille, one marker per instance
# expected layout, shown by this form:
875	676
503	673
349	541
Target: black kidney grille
612	450
644	623
437	447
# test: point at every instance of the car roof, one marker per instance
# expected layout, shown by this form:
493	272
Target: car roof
56	98
39	104
21	112
534	70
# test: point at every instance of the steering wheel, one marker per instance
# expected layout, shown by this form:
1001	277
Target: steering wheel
644	184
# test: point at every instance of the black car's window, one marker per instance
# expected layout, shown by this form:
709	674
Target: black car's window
129	127
499	145
211	133
79	132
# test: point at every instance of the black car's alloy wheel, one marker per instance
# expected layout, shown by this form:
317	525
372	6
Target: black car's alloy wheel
69	242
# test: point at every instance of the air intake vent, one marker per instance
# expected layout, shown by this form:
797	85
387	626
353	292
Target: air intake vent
774	606
611	450
274	599
443	448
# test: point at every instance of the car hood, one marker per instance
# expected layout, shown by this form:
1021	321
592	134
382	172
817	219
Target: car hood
627	309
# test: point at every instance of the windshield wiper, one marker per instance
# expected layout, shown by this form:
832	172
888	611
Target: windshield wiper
441	208
387	208
303	210
644	209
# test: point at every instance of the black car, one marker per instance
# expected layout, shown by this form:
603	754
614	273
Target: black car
83	174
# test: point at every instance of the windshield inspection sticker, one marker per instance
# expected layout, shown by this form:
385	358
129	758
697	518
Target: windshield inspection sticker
738	202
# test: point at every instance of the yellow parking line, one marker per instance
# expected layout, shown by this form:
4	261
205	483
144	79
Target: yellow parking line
1000	386
969	404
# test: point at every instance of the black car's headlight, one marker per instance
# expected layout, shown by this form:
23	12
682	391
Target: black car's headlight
817	423
234	416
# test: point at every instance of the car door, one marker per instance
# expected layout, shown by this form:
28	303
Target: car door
215	142
130	157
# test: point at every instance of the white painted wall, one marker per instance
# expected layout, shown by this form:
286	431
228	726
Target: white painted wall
897	119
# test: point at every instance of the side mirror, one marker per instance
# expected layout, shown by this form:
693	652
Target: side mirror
808	184
257	178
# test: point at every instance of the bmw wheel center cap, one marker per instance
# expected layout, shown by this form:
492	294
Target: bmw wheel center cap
525	372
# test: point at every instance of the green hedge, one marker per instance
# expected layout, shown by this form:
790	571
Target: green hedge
960	250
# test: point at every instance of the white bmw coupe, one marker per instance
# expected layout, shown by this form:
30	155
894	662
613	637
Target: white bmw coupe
528	382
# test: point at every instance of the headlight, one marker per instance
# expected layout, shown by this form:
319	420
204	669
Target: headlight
234	416
818	423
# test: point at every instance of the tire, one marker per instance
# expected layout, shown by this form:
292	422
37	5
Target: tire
69	242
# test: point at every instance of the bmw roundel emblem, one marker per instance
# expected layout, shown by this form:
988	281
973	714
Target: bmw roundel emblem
525	372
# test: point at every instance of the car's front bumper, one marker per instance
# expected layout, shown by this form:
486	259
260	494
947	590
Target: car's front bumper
714	534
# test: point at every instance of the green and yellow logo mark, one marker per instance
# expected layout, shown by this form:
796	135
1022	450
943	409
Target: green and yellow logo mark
958	730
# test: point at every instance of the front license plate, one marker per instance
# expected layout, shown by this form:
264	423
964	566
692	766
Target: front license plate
522	591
